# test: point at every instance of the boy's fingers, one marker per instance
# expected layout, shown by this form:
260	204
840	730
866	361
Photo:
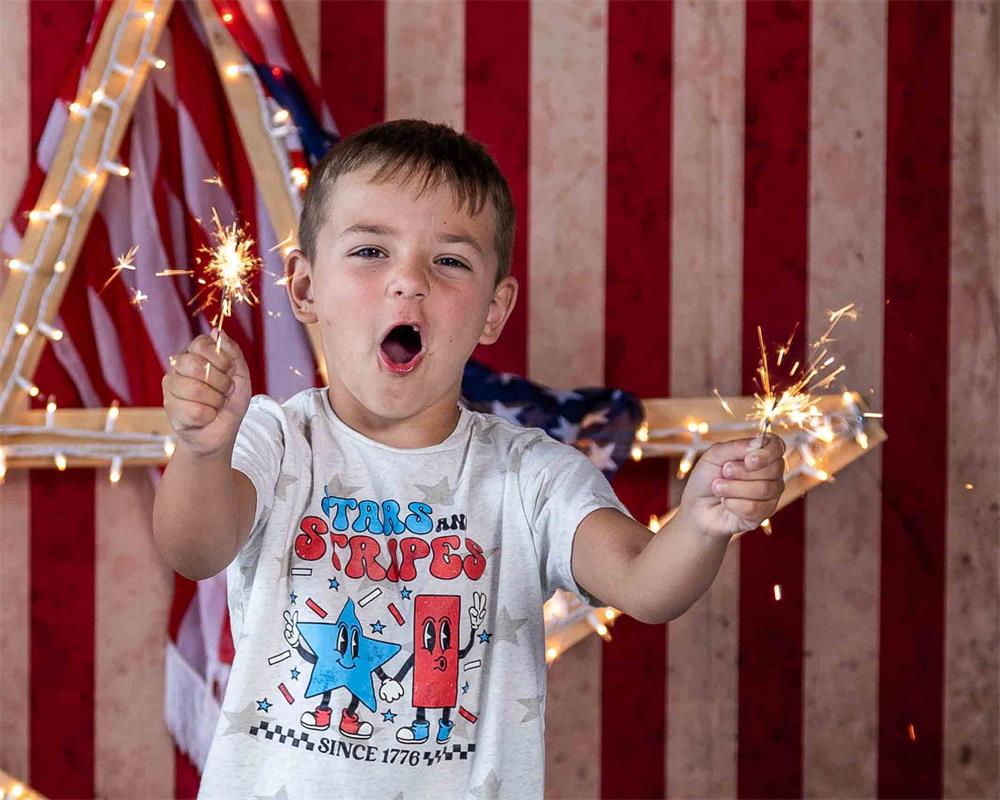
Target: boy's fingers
737	470
745	490
232	351
205	347
195	390
721	452
191	366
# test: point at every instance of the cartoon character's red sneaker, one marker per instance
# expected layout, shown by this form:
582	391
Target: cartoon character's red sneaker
352	727
318	720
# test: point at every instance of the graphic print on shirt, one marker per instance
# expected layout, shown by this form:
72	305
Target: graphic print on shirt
380	570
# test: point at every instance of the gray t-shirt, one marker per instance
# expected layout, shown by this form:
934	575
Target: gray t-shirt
387	607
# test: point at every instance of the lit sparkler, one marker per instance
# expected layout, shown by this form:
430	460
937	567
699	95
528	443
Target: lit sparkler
795	404
230	267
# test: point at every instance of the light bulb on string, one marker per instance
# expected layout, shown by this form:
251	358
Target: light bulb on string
109	421
52	333
115	473
27	385
50	411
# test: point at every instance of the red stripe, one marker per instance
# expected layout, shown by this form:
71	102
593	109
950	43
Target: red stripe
915	457
774	295
352	62
637	350
62	617
497	113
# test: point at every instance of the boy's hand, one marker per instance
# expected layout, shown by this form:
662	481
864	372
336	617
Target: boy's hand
206	394
735	486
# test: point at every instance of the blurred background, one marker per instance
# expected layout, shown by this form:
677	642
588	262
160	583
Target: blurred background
683	171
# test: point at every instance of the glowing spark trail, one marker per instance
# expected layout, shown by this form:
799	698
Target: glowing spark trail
124	262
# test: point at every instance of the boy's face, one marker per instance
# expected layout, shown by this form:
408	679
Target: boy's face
384	259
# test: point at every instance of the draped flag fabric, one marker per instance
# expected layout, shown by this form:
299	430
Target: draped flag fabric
682	172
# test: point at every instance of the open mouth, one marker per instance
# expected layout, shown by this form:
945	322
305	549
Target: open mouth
402	349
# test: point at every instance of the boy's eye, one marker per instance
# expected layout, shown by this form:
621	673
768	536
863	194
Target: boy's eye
455	262
366	250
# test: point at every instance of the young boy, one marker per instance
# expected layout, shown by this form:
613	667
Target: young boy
388	551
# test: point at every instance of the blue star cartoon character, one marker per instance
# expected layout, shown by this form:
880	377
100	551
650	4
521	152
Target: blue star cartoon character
341	657
435	663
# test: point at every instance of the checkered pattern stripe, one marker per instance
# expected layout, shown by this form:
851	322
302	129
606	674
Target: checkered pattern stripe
284	736
449	753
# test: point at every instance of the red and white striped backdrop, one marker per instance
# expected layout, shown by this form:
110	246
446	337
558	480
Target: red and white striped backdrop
682	172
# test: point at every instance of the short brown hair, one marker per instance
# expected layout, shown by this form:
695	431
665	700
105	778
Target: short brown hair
437	152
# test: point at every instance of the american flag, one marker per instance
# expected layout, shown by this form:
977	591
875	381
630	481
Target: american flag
682	172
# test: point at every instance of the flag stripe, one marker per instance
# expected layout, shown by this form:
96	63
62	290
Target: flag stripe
637	358
846	251
133	748
425	61
916	390
774	295
352	62
497	102
566	278
972	672
706	304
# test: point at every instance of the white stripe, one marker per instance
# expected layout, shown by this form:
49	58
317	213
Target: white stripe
67	355
133	752
286	343
971	762
425	61
109	350
260	17
566	249
843	519
51	137
705	353
15	623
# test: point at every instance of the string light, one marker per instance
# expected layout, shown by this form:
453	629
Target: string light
551	654
169	446
109	421
52	333
654	523
777	592
119	169
22	329
116	469
281	116
60	462
300	177
27	385
16	265
156	62
59	267
50	411
636	453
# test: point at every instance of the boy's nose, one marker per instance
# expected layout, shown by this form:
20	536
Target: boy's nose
408	281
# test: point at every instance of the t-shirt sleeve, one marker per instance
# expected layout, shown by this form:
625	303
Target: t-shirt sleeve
258	451
559	487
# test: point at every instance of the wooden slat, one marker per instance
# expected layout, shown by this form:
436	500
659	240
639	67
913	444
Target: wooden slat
103	123
268	171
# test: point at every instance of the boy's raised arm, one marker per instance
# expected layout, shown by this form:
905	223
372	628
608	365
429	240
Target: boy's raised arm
656	578
204	508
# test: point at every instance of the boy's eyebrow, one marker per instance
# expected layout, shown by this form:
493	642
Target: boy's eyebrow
385	230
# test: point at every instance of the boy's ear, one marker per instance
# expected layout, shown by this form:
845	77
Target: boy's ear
298	274
504	298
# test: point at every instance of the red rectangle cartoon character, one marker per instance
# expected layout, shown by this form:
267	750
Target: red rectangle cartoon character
435	650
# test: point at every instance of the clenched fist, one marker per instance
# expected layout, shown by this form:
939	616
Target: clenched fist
206	393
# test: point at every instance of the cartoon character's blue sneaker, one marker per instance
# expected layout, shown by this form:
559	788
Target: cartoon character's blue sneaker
416	733
444	730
